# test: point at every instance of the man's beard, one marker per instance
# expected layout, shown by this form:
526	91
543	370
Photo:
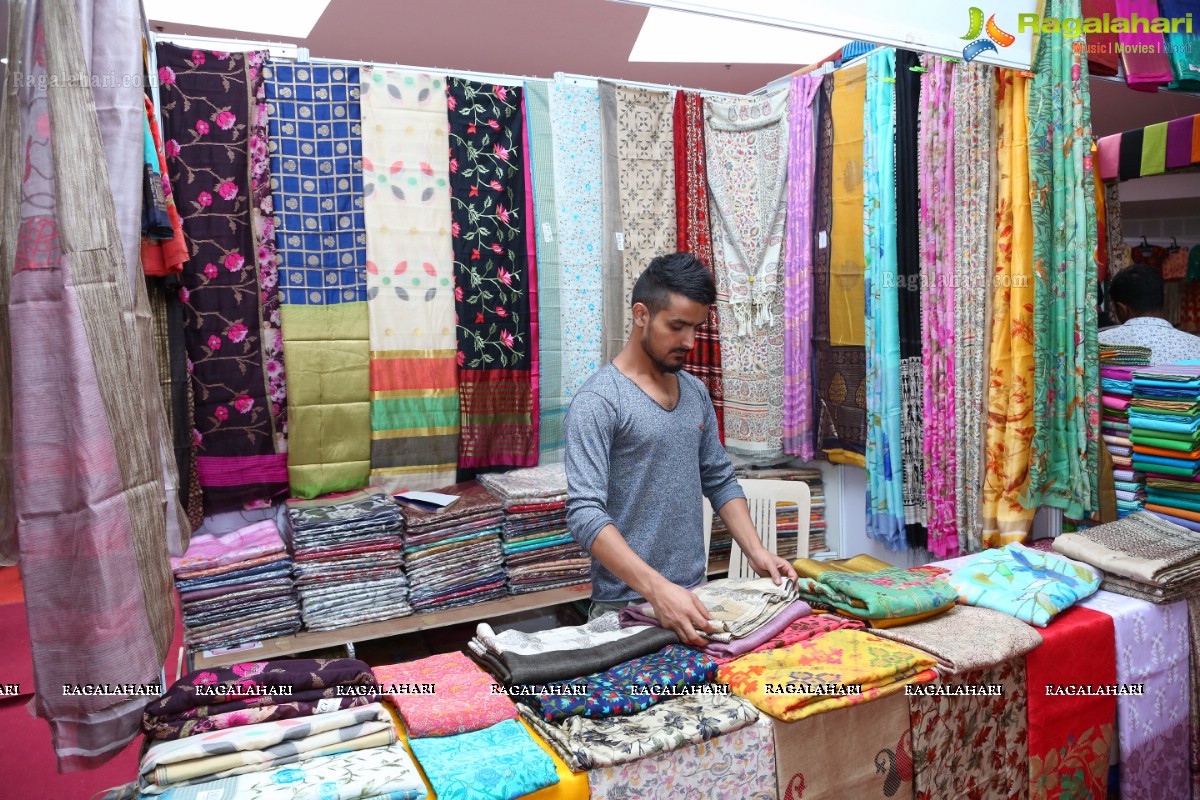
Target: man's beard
664	366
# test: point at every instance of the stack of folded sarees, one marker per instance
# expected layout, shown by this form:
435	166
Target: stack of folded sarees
236	588
872	591
349	561
1164	420
1116	385
539	551
453	554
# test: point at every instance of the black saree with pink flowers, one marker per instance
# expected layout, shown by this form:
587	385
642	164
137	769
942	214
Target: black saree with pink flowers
495	284
214	136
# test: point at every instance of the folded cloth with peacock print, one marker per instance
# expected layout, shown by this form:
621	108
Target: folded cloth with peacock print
1030	585
872	590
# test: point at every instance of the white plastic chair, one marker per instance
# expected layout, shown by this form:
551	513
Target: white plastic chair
762	496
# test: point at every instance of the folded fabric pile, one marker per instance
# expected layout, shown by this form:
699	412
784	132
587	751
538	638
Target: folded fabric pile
626	688
1164	420
786	514
1124	355
262	747
500	762
871	590
740	608
258	691
453	555
539	552
460	697
966	639
1028	584
564	653
349	559
587	743
840	668
236	588
1142	556
798	630
1116	384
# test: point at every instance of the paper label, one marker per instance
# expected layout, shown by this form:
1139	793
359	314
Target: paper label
822	240
547	232
327	704
620	241
211	794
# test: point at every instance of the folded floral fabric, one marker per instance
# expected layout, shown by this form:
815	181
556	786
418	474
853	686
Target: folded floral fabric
627	688
380	772
524	486
604	629
739	606
1028	584
253	712
586	744
967	638
220	754
497	763
209	550
881	594
463	699
841	668
766	633
1142	547
252	683
801	630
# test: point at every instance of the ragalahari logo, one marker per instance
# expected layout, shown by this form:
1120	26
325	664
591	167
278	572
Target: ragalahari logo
995	36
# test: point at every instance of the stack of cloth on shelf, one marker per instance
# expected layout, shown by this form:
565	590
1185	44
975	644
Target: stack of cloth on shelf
275	730
873	591
258	691
453	554
1124	355
1164	420
464	734
746	613
1116	384
516	657
1142	556
539	552
840	668
1031	585
236	588
349	559
787	528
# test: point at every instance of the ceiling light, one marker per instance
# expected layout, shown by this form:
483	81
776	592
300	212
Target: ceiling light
293	19
678	36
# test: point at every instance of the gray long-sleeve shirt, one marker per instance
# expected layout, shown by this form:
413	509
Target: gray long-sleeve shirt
633	464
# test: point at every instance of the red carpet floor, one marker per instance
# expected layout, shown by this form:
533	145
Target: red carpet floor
26	757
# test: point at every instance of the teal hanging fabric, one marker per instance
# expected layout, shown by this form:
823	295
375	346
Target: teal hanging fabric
885	481
1064	455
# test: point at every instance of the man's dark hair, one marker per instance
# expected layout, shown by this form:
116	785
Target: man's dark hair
1140	287
677	273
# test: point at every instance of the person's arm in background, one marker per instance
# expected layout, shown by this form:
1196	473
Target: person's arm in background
727	498
588	431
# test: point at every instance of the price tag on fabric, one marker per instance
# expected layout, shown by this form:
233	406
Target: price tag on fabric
620	240
327	704
211	794
822	240
547	232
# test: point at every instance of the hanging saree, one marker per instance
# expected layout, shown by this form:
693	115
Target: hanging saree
974	108
846	315
552	402
1064	453
575	121
936	174
693	234
885	479
497	343
1070	735
320	235
1010	359
798	268
840	392
410	292
908	289
747	145
644	149
207	103
86	501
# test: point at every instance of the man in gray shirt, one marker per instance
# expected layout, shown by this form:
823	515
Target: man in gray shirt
641	446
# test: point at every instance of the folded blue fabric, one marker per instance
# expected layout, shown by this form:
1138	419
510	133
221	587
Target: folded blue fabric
497	763
1178	463
1155	422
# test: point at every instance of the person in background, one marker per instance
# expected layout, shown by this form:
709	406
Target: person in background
1136	300
641	447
